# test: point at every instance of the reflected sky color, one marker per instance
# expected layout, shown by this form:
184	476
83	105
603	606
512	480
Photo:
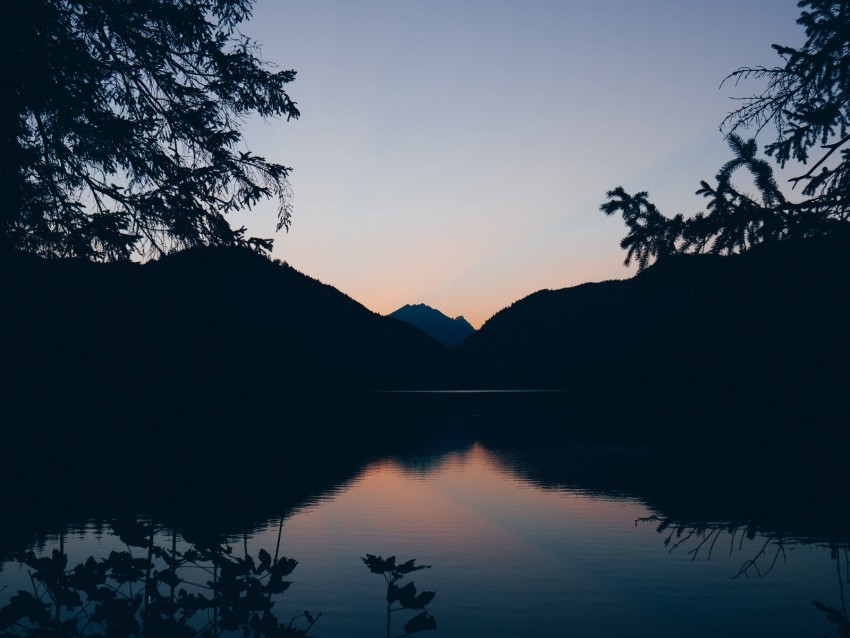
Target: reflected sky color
456	153
452	505
510	558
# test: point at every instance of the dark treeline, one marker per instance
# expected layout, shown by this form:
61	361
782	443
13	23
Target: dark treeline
694	338
765	320
224	334
206	329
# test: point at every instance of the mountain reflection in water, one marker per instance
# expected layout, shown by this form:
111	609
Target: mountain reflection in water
516	547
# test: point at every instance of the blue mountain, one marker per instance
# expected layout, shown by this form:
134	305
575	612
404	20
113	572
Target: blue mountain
445	330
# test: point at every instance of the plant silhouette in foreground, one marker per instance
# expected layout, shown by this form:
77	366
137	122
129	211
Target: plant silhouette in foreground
405	597
205	589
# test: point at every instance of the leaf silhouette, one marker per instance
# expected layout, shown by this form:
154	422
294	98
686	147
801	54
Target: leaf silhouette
407	598
409	566
47	568
23	605
88	576
421	622
265	560
169	577
132	533
124	568
377	564
277	585
283	567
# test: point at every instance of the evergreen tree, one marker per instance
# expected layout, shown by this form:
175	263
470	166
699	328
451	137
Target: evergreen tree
807	101
651	234
120	126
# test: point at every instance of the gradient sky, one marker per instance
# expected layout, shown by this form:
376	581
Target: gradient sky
456	152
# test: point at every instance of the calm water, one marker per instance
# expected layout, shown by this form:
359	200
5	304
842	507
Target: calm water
512	557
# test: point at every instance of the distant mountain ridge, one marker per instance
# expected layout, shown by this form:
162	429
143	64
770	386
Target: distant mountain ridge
217	333
771	315
441	328
209	328
746	334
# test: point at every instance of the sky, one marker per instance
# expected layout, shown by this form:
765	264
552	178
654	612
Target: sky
456	152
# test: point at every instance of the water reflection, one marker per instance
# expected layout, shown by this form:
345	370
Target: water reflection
699	540
524	542
763	553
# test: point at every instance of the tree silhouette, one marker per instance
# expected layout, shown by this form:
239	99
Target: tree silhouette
807	100
651	234
120	126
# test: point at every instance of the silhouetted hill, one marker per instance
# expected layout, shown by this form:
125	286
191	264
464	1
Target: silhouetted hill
450	332
693	347
692	331
208	331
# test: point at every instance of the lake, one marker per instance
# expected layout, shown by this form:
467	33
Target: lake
555	540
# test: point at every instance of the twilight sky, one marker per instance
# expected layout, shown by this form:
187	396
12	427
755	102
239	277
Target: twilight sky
456	152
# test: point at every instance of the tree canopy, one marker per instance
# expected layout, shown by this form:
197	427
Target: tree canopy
120	126
806	99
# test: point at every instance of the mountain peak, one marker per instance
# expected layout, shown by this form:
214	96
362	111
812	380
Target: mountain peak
435	324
